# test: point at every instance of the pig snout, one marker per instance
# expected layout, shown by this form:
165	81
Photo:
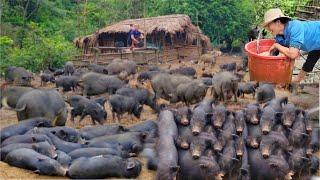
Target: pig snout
184	121
255	120
287	123
217	147
239	153
239	130
196	155
184	145
217	125
265	153
195	130
265	129
254	144
309	129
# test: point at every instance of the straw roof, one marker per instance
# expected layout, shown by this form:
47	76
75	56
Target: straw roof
171	24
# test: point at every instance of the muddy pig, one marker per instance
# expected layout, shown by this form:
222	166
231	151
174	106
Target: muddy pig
10	95
43	148
90	132
224	83
96	83
182	115
69	68
30	159
62	132
252	113
92	151
206	167
228	66
143	96
23	127
191	92
113	166
46	77
131	141
68	83
167	167
42	103
148	127
61	144
63	158
167	125
121	104
265	93
246	88
26	138
83	107
187	71
18	75
298	136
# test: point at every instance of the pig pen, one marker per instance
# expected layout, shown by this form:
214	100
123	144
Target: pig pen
307	98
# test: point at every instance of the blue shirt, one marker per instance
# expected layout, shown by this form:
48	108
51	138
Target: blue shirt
304	35
135	33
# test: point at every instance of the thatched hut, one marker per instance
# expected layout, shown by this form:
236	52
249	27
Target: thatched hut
169	37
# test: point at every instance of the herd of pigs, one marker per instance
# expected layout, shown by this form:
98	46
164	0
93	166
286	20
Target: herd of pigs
203	139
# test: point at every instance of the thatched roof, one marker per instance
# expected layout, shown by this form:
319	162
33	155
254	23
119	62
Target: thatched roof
171	24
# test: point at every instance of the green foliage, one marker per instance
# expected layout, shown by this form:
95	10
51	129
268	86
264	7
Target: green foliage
35	33
37	50
287	6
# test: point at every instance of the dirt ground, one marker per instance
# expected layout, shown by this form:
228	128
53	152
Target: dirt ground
307	99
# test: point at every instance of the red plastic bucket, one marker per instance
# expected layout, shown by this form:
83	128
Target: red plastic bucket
273	69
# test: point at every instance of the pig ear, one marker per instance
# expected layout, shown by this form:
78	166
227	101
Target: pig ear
305	135
40	124
174	168
41	159
33	139
235	159
298	111
278	115
267	104
63	132
130	165
174	111
209	116
273	165
34	146
122	128
259	110
238	93
305	159
189	111
235	136
243	171
37	171
143	135
203	166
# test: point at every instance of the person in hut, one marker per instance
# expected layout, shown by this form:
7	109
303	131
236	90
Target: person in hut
292	36
135	36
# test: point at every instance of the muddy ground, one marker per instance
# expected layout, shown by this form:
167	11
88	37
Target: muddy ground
307	98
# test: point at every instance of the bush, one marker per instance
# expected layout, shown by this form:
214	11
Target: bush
37	51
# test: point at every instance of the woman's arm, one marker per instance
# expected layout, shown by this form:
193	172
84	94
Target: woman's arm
291	52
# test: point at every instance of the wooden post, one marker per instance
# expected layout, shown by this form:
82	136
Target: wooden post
144	21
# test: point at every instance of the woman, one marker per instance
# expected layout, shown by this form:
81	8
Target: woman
292	36
135	36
